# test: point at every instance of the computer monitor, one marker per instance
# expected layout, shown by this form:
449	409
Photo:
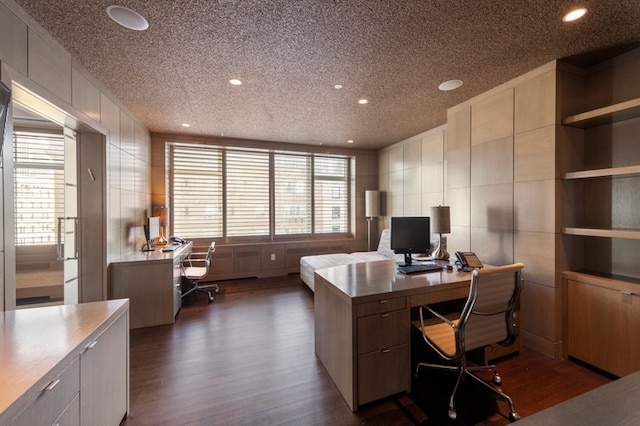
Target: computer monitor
151	230
410	235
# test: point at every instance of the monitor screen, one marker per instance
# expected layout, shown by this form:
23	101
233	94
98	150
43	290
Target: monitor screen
151	230
410	235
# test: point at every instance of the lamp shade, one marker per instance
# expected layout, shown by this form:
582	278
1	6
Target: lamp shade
371	203
440	220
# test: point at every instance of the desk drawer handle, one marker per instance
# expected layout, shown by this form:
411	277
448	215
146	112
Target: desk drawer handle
384	315
52	385
384	301
385	351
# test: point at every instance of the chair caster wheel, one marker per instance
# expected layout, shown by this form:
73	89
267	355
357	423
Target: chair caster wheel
452	414
497	380
217	290
210	299
514	417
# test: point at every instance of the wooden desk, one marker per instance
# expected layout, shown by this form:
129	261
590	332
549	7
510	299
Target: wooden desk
152	283
362	324
611	404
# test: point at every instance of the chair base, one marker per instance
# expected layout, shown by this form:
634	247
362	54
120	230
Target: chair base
464	371
195	288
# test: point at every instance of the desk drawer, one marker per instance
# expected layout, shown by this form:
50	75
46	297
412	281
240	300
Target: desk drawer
379	306
383	373
383	330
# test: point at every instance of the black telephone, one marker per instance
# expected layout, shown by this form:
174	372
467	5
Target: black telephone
178	240
468	260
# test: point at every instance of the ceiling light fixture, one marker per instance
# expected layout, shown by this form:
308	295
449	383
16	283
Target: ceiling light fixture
127	18
186	125
338	86
450	85
363	101
574	15
350	141
235	82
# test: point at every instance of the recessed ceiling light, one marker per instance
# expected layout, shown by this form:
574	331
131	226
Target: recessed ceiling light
127	18
450	85
338	86
350	141
235	82
363	101
186	125
574	15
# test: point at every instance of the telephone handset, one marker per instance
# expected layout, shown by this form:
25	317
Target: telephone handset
178	240
468	260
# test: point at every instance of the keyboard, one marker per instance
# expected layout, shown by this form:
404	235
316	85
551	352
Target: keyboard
421	267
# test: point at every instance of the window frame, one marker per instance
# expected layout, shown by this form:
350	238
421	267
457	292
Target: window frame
349	161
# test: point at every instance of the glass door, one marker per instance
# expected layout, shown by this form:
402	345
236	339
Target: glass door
45	210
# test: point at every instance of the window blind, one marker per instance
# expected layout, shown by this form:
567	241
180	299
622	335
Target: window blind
292	194
196	189
38	186
331	194
247	193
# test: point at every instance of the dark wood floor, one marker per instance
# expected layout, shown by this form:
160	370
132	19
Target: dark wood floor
248	358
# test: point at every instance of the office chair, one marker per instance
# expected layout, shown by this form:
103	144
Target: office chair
195	267
488	317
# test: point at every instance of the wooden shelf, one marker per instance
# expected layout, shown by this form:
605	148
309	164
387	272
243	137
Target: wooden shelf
608	114
600	173
629	234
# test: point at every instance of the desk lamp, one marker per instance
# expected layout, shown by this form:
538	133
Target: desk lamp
371	209
440	224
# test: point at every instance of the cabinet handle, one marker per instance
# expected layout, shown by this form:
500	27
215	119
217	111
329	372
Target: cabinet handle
92	345
384	315
384	301
52	385
385	351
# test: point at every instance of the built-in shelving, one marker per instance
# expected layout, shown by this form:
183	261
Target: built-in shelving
603	173
630	234
609	114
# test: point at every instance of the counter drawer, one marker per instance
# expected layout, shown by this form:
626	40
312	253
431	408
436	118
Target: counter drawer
53	399
383	330
382	305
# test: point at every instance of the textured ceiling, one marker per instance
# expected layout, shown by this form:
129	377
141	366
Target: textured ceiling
290	53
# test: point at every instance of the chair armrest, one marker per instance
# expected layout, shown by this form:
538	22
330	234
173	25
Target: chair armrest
436	314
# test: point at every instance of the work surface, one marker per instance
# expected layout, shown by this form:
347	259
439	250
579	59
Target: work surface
361	282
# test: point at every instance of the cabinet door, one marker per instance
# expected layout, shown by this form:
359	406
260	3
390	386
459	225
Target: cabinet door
104	376
604	327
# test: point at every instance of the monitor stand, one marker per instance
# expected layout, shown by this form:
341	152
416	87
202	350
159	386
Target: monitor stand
148	247
407	260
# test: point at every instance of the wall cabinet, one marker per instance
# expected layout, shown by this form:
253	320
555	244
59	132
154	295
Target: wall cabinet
65	364
601	232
